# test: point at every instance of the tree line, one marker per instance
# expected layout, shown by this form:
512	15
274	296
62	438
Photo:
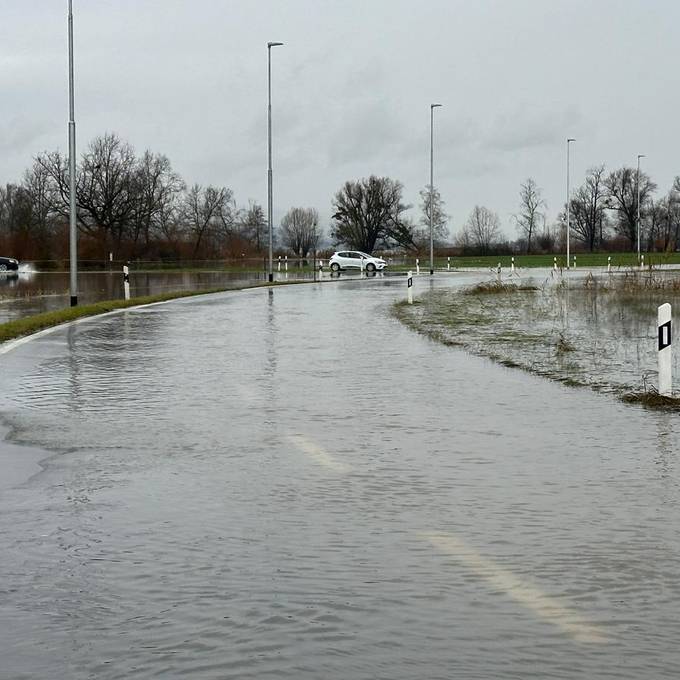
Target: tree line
138	207
603	215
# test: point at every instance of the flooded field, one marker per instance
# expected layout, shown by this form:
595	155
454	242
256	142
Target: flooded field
28	292
289	483
597	331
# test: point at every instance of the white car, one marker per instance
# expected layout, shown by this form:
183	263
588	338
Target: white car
355	259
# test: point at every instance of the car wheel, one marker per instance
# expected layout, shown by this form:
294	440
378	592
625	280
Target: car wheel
335	267
370	267
3	267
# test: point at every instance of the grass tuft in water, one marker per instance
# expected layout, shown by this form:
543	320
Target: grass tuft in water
497	288
651	398
563	346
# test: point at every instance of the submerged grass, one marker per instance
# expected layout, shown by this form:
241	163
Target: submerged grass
32	324
498	288
652	399
597	333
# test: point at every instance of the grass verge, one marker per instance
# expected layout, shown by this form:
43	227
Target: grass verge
32	324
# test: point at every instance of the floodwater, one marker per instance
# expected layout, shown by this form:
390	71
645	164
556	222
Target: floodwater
597	331
28	292
289	483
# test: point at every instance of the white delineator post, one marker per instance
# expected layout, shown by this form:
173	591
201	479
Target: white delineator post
555	263
126	282
499	272
279	263
417	266
665	351
512	265
448	264
286	262
409	287
642	262
609	264
574	261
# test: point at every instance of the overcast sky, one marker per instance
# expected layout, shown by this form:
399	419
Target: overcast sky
352	89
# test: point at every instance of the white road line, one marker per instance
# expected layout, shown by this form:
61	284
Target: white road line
317	454
545	606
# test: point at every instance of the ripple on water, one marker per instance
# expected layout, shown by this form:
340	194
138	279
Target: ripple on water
219	509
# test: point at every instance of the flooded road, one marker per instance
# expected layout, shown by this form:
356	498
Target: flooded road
288	483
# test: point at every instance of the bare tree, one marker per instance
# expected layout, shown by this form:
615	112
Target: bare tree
206	212
300	230
546	239
481	231
622	193
370	211
253	224
440	232
530	215
155	189
588	210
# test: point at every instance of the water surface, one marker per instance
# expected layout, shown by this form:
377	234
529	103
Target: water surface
289	483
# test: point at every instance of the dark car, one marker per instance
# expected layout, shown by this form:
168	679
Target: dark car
8	264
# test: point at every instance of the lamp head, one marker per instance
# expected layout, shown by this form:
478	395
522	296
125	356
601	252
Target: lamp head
434	106
274	44
570	139
641	155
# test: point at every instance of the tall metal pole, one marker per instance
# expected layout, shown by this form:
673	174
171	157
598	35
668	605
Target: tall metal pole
73	231
569	140
432	108
270	200
637	189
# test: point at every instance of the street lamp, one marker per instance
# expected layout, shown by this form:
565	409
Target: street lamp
269	174
73	230
432	108
637	188
569	140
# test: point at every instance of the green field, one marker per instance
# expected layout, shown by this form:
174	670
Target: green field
528	261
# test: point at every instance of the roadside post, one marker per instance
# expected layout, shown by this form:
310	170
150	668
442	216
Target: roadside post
499	272
609	264
574	261
361	266
555	263
417	266
286	261
448	264
279	263
512	265
665	351
126	282
642	262
409	287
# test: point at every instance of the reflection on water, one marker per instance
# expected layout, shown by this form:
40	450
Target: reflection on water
288	483
28	292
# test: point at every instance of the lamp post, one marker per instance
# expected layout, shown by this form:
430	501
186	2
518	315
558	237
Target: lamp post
637	189
73	229
432	108
569	140
270	200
